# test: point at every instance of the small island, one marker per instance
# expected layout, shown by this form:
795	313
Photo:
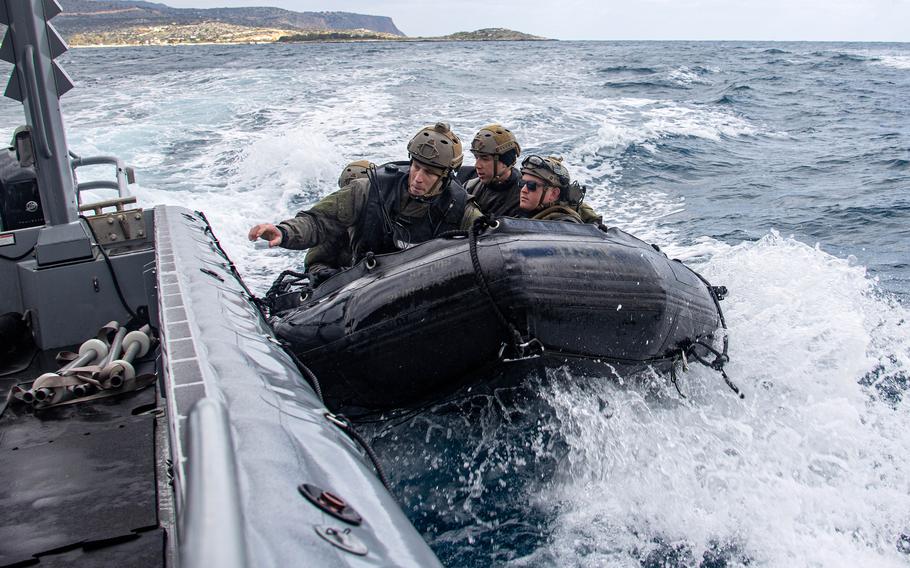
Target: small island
486	34
493	34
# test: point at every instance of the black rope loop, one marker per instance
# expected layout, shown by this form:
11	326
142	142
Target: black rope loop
720	359
310	375
19	257
346	426
230	264
281	286
110	268
514	335
673	379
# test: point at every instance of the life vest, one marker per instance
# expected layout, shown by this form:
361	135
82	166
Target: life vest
383	228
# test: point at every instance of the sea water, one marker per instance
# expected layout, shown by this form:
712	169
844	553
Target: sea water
780	170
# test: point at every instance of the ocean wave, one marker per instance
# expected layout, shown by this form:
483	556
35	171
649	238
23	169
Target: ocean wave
894	164
894	61
645	85
853	57
685	75
809	429
840	59
628	69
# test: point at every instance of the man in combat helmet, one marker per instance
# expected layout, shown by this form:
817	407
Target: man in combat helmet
546	190
496	188
396	206
326	259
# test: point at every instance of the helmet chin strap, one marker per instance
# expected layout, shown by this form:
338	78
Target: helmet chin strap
540	204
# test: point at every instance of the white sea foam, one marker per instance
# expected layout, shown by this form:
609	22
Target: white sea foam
809	469
685	76
895	61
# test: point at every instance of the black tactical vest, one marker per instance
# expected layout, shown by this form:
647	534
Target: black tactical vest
382	228
501	199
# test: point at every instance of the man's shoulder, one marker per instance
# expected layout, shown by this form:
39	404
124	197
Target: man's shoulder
558	213
588	214
355	189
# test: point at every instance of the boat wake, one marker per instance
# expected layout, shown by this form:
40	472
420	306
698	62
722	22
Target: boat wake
630	471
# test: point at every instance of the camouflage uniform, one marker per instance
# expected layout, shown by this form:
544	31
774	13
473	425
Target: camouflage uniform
558	213
326	259
586	213
331	219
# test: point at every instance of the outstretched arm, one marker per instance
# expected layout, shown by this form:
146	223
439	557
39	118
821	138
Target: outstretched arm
327	220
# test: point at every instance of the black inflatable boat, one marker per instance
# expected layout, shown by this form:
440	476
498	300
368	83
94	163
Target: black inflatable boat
401	328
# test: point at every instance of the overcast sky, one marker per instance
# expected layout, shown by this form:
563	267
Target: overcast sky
817	20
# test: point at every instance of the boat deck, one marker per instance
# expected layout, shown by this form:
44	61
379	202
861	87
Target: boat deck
80	481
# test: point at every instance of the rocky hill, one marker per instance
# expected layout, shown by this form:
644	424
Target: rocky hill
487	34
493	34
88	18
136	22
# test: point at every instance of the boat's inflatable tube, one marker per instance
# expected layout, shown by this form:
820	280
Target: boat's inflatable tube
403	327
263	476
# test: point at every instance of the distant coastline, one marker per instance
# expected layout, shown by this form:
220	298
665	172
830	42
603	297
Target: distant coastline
112	23
218	33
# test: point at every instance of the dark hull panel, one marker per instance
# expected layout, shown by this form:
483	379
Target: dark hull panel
418	323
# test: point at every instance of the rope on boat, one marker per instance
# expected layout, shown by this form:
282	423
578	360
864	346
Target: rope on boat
230	264
522	347
344	423
110	268
673	378
19	257
310	375
277	287
721	358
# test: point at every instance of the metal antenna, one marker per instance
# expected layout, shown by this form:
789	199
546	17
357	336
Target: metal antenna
31	44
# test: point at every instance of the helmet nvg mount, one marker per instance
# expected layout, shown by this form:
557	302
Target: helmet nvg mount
355	170
549	169
436	147
496	140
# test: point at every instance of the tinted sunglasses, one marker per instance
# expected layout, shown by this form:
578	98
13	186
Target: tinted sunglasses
531	185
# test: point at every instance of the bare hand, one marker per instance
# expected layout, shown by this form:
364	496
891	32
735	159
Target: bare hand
266	232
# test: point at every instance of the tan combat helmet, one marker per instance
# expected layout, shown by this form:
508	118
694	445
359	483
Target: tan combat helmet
438	148
549	169
496	140
355	170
